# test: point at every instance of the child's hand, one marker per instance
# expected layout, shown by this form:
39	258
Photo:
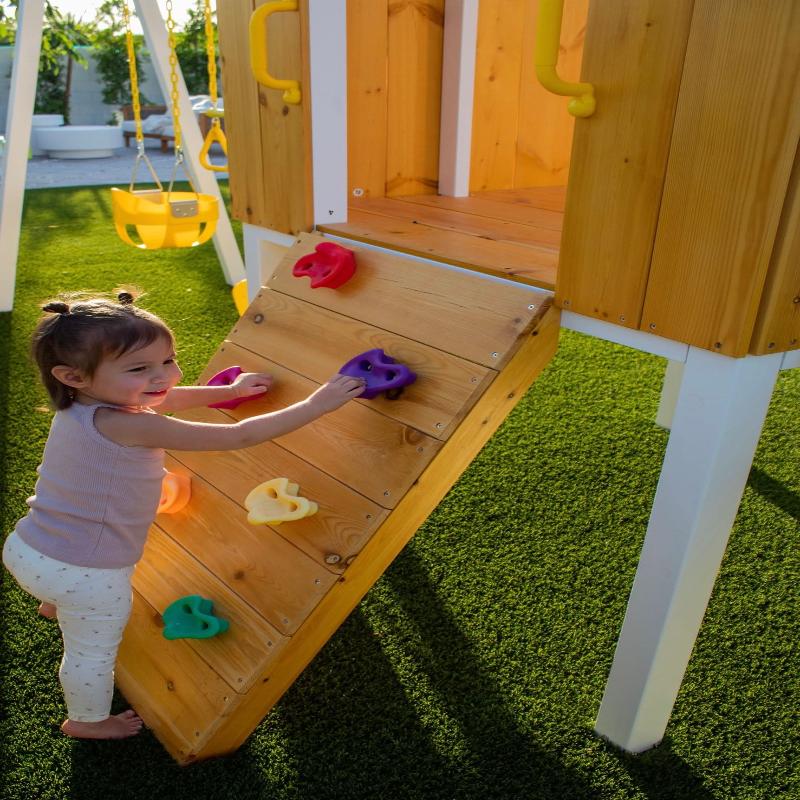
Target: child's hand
249	384
336	392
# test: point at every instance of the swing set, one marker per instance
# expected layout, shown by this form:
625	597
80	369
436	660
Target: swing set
169	219
151	218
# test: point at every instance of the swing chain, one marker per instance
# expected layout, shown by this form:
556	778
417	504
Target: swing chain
135	102
173	78
212	60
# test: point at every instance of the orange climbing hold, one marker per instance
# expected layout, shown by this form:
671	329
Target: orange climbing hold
175	493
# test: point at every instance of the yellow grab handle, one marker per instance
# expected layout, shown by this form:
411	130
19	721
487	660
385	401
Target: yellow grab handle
548	41
258	50
215	134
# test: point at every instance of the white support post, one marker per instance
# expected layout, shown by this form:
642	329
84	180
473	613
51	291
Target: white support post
263	251
458	88
155	34
669	394
30	15
720	411
327	26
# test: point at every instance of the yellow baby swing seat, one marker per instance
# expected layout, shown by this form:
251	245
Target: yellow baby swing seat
164	219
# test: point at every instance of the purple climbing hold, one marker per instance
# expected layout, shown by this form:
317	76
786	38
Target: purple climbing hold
381	372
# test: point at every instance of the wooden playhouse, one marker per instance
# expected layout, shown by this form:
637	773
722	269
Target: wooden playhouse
481	215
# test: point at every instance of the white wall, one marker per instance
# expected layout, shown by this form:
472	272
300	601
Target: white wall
86	103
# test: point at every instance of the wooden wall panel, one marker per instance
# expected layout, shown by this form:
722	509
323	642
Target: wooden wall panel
459	312
735	138
269	141
634	56
415	43
380	468
445	388
245	166
367	97
167	572
495	115
544	140
778	321
521	133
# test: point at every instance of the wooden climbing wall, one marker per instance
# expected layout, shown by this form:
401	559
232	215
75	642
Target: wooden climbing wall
376	468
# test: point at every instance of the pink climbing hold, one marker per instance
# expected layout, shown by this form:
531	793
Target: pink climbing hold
226	378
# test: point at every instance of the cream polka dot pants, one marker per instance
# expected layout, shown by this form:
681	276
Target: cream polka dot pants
93	608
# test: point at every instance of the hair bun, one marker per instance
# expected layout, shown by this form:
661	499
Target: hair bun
56	307
125	298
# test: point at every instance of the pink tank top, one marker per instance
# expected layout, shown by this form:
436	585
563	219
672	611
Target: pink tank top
94	500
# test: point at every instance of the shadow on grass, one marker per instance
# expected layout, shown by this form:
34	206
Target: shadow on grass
662	774
456	738
5	368
775	492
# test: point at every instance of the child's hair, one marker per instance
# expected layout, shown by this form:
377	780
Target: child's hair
81	329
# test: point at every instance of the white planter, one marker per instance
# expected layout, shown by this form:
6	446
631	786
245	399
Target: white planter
80	141
42	121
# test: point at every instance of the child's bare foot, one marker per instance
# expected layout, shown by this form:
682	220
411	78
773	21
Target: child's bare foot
120	726
47	610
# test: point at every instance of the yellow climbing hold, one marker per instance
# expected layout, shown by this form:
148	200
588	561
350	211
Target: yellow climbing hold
276	501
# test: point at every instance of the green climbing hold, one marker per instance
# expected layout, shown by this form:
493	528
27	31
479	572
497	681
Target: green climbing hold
191	617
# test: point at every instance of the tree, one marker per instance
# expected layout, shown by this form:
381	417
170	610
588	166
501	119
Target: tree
190	48
111	54
61	36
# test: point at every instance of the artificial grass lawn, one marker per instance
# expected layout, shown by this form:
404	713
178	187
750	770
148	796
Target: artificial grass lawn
475	666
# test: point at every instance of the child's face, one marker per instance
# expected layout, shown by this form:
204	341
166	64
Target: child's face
137	378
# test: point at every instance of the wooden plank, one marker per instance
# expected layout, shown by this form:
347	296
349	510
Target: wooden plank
285	129
367	55
179	697
495	116
332	536
634	56
485	204
280	328
778	322
245	166
274	577
734	143
465	314
167	572
356	445
433	215
544	139
552	198
533	355
415	44
534	266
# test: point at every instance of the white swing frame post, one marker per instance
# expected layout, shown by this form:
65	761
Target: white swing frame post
157	39
19	120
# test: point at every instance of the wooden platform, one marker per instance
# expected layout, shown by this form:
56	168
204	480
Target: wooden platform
376	468
514	233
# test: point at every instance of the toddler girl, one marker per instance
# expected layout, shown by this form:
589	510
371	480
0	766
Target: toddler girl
109	367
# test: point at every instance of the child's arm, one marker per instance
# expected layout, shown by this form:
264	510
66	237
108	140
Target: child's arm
248	384
153	430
